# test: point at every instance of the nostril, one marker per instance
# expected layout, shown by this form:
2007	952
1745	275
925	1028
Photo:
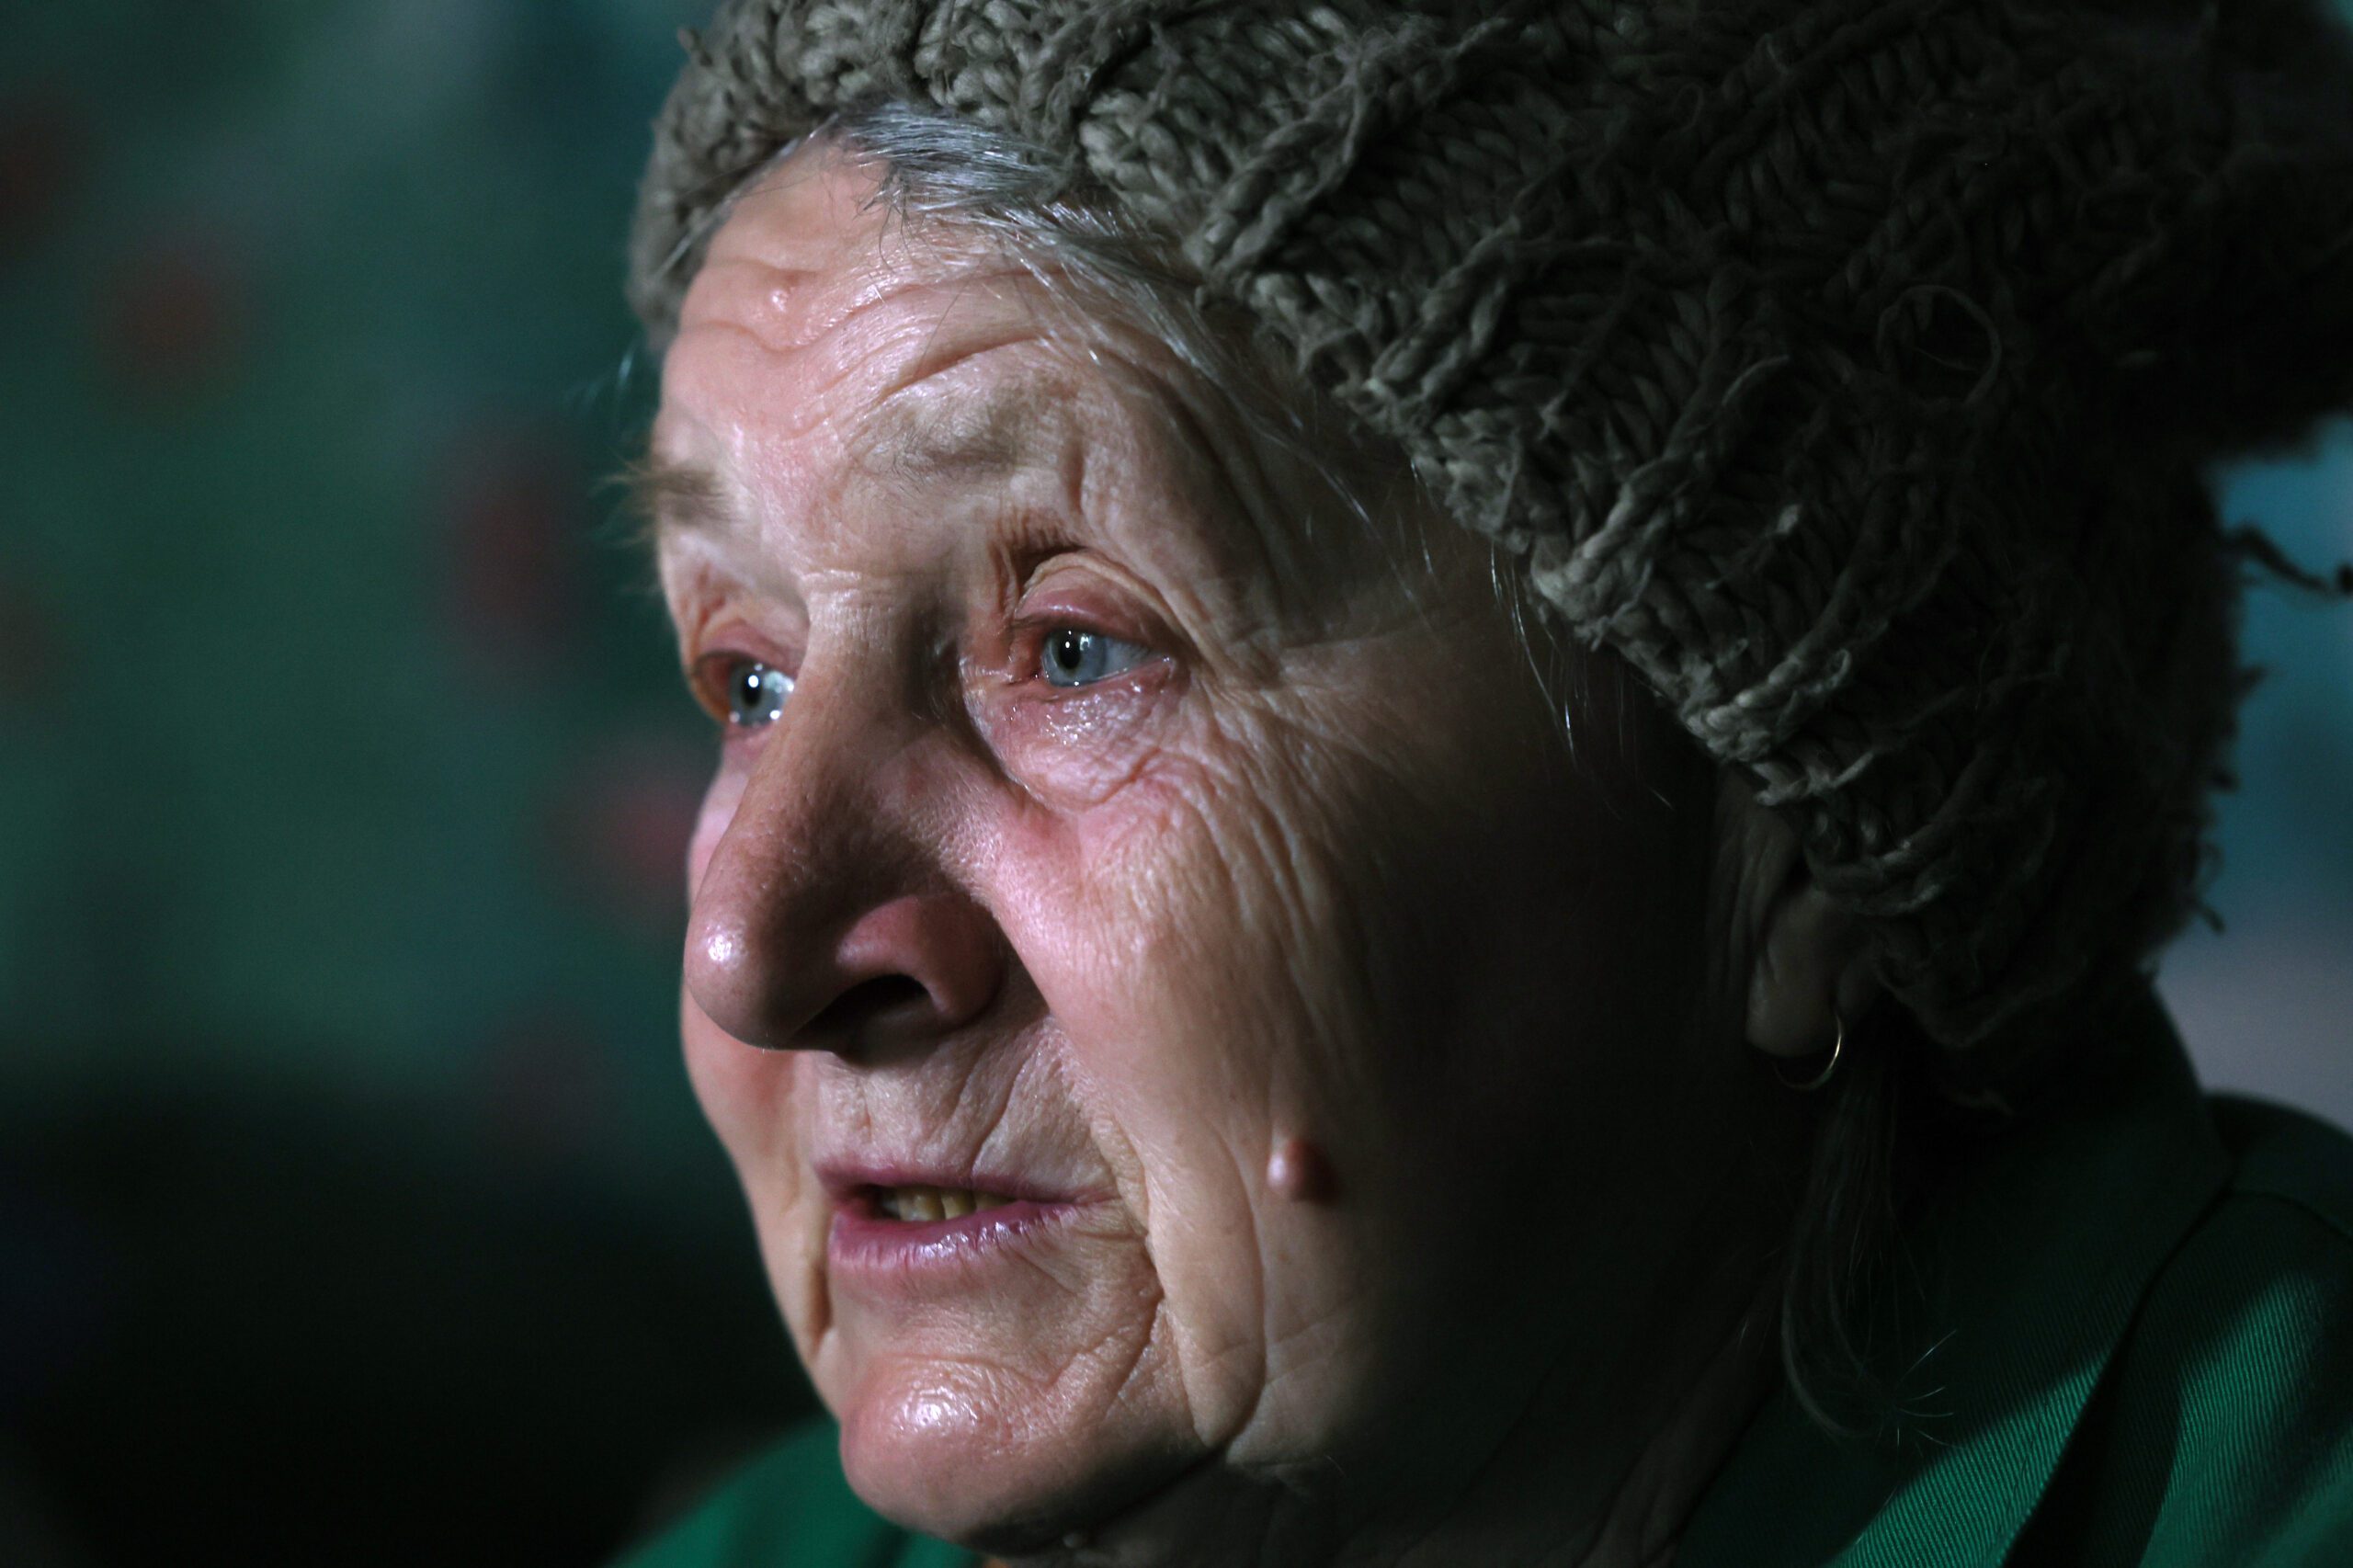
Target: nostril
867	1001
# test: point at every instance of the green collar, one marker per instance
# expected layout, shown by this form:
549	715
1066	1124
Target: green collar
2032	1265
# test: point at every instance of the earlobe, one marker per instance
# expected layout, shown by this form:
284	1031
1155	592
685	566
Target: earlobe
1806	970
1807	964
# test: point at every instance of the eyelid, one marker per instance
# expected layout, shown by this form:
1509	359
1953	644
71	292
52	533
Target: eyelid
1092	601
741	638
705	671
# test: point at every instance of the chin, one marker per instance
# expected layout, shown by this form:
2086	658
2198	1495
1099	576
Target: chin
937	1452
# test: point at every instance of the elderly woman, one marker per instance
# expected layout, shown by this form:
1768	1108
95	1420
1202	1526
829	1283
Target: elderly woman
1452	741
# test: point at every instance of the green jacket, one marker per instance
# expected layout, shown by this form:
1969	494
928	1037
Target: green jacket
2145	1356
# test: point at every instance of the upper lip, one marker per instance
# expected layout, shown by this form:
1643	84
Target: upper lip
845	1179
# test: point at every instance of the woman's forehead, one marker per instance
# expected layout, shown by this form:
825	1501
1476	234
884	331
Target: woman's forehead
816	302
908	446
799	246
831	350
801	395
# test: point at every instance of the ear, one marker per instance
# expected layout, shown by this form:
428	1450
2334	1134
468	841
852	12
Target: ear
1808	967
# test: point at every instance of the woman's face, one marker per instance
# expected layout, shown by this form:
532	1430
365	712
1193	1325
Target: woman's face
1109	832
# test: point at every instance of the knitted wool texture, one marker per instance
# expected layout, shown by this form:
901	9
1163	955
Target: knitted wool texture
1849	369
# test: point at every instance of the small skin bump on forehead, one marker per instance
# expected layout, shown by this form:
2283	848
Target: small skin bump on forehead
804	274
794	278
810	243
794	229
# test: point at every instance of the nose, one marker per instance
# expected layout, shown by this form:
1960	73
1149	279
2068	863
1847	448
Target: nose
824	919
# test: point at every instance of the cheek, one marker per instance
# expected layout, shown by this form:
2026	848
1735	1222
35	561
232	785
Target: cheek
741	1089
758	1103
1076	751
1189	939
720	800
745	1092
1266	938
752	1101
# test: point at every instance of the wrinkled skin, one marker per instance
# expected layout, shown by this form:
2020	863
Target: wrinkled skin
1311	864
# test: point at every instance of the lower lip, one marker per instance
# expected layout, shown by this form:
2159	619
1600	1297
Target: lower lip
866	1245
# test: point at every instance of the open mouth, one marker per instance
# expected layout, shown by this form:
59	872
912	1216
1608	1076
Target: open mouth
920	1203
896	1233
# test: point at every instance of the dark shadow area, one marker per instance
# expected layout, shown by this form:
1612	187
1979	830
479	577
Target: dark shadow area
243	1328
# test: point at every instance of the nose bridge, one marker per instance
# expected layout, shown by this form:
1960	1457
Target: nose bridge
833	881
808	827
806	844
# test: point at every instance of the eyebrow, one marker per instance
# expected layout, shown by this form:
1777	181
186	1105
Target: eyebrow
667	496
955	441
952	438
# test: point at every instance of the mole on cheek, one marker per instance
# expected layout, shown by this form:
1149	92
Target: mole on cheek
1298	1171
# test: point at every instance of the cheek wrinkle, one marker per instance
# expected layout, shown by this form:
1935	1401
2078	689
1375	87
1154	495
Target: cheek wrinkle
1298	1171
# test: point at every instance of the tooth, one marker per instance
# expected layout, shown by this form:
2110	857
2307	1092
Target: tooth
955	1202
921	1203
887	1200
984	1201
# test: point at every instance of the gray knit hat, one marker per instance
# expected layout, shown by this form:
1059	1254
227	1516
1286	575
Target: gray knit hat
1850	368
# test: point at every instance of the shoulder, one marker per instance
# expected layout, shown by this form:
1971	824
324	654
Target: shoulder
2222	1431
790	1507
2287	1155
2130	1344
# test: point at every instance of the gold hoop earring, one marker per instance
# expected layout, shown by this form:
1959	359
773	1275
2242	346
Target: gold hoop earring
1837	1049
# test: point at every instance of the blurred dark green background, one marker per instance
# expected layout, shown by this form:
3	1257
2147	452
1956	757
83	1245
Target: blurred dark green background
353	1207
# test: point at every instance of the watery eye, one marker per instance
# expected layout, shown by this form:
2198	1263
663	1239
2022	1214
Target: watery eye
1072	657
753	693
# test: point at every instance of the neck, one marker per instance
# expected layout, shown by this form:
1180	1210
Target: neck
1634	1384
1561	1492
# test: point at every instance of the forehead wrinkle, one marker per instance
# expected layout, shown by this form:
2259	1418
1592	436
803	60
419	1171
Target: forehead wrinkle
1174	445
865	332
793	285
1122	458
801	230
923	435
1129	458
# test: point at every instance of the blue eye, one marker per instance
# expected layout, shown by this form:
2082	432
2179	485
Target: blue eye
754	693
1072	657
